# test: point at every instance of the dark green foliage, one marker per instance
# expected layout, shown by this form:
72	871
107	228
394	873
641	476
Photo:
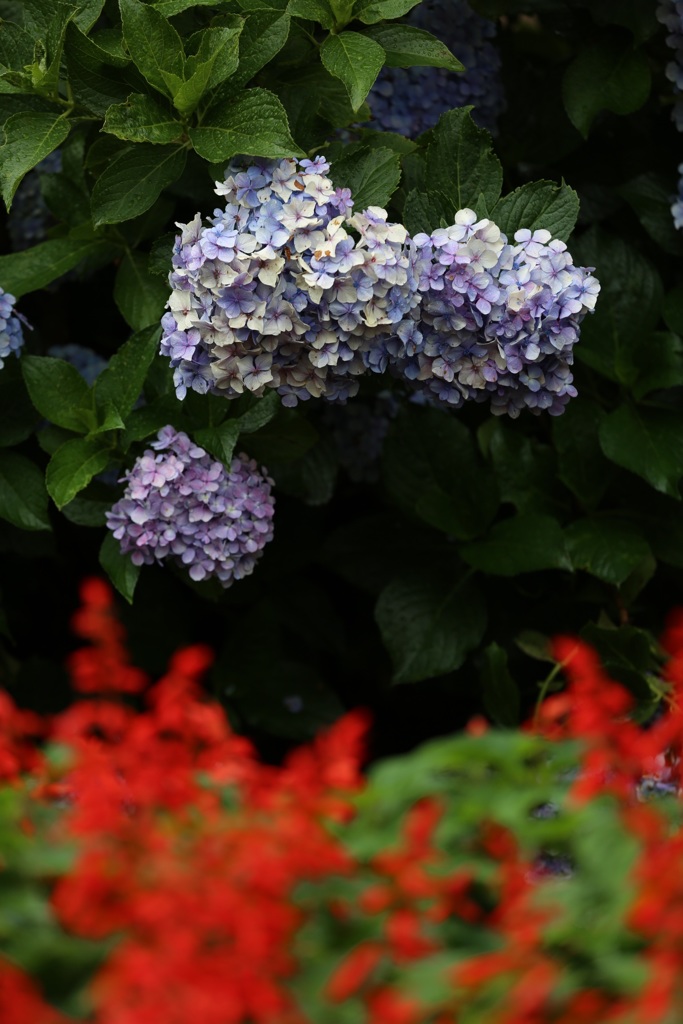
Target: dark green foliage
481	537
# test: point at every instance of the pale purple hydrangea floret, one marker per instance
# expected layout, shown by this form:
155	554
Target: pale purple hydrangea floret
11	333
411	100
182	504
497	321
275	293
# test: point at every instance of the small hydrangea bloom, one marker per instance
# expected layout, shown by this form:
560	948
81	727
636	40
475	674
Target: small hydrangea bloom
182	504
88	363
677	206
497	321
29	217
275	293
359	431
411	100
11	333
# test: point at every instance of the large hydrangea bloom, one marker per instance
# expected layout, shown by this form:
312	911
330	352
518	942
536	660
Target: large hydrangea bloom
182	504
275	293
11	333
411	100
497	321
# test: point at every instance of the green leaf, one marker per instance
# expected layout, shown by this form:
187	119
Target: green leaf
427	211
606	75
582	467
88	13
45	75
539	204
29	138
142	119
262	412
372	11
59	392
65	199
23	272
312	10
219	441
628	308
216	59
312	478
627	654
23	498
154	45
408	47
649	196
525	470
73	466
356	60
431	468
254	124
526	543
19	417
95	84
120	384
371	174
118	567
170	7
461	162
16	47
140	296
648	442
132	182
429	624
284	438
500	694
606	547
263	36
660	364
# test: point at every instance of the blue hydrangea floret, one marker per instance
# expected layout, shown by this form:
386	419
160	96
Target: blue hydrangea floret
11	333
181	504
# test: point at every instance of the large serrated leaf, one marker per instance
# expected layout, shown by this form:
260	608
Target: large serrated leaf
539	204
254	123
356	60
461	162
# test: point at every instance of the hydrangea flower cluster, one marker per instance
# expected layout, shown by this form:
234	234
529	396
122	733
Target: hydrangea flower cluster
184	505
497	321
275	293
670	14
411	100
88	363
11	333
29	217
359	431
677	206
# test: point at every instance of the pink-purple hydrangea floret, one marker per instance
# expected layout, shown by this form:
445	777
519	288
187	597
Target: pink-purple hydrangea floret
181	504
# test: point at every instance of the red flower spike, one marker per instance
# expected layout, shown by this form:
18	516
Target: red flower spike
353	972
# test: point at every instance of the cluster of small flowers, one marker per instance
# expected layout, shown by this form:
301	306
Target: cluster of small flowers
276	294
497	321
359	431
187	854
88	363
670	14
184	505
11	333
29	217
411	100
